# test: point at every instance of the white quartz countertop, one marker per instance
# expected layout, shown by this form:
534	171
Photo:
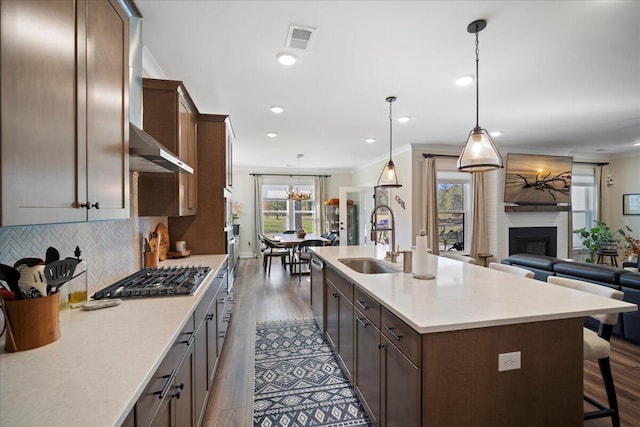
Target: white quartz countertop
466	296
94	374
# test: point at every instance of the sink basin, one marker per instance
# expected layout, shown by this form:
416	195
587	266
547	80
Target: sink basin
368	265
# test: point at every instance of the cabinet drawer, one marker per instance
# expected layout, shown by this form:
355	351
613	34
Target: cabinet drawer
402	336
367	306
340	283
160	385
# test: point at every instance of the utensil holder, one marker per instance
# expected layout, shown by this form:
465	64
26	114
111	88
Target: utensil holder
151	259
32	323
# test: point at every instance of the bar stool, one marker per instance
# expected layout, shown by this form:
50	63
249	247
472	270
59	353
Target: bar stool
511	269
596	346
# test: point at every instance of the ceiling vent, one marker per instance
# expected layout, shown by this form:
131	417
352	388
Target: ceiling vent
300	37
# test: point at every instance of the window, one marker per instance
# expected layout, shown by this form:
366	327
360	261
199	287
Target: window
584	201
454	200
280	214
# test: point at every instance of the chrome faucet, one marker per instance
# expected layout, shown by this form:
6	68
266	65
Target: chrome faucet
374	230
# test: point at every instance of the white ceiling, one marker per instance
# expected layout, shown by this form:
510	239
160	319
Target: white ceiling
555	76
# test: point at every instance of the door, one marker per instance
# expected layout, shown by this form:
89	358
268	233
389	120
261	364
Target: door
354	229
401	388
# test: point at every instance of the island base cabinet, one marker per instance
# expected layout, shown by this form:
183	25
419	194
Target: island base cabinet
401	388
462	385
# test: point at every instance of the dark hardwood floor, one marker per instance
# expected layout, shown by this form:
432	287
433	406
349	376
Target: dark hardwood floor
281	296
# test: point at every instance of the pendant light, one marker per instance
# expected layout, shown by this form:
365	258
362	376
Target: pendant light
480	153
389	178
295	193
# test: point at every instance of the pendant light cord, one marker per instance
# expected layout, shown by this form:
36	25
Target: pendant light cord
390	129
477	85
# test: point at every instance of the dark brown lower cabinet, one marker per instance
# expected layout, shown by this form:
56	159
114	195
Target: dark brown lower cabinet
176	409
340	327
206	357
368	364
401	382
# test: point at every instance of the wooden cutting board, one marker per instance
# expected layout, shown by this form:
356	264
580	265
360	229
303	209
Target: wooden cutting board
163	235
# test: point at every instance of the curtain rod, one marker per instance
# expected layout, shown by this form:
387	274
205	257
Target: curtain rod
290	175
446	156
591	163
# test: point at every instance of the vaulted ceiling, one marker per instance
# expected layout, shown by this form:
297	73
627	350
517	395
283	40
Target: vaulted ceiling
555	76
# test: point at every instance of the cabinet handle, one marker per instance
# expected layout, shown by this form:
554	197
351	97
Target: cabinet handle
362	304
390	330
362	322
208	317
335	295
177	393
381	346
90	205
162	393
95	205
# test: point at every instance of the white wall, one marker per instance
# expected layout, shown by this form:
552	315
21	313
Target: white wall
626	180
368	177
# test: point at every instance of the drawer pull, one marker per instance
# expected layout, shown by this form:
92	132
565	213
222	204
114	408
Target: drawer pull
209	317
390	330
335	295
362	322
363	305
162	393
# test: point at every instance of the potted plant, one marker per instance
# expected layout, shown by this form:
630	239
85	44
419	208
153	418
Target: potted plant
598	238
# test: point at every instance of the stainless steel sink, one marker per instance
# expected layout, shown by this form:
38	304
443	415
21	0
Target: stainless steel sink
368	265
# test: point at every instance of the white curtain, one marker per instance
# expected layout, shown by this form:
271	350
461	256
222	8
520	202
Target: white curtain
320	196
430	204
480	236
601	179
257	218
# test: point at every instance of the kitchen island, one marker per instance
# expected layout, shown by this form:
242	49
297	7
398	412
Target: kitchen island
99	368
426	352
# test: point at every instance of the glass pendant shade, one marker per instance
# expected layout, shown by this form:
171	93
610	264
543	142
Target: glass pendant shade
480	153
388	176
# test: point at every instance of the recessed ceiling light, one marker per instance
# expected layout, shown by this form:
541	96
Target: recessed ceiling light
637	144
272	134
465	80
286	58
369	140
496	133
277	110
404	119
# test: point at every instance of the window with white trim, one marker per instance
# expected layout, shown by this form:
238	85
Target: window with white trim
454	210
280	214
584	200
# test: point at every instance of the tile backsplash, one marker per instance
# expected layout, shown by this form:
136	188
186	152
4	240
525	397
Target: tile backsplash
112	249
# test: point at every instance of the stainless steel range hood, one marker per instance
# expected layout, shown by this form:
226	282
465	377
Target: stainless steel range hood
148	155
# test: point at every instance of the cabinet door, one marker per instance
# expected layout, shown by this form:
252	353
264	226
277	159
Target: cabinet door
212	345
346	336
183	392
165	416
200	381
367	373
38	156
107	110
401	384
332	297
229	154
187	183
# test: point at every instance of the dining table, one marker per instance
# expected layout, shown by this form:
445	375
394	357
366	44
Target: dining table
292	240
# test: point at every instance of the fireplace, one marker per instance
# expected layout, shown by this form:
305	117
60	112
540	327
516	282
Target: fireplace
533	240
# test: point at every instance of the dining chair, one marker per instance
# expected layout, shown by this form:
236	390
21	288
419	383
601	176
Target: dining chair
512	269
303	256
463	258
273	249
596	346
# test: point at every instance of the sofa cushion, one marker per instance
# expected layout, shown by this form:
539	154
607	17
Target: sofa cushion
540	262
602	274
630	280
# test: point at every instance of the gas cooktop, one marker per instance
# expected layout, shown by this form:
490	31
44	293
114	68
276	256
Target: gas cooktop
156	282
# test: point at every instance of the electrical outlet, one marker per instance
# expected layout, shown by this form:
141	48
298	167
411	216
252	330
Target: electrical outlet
509	361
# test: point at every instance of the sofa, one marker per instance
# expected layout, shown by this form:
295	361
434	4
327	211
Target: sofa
617	278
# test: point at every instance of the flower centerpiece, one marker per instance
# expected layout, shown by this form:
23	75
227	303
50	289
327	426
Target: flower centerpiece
632	245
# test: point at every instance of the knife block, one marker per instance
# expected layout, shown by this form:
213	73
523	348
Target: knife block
32	323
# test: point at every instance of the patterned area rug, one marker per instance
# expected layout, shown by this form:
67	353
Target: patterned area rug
299	381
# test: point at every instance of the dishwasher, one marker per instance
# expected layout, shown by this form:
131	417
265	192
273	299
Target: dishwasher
317	291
